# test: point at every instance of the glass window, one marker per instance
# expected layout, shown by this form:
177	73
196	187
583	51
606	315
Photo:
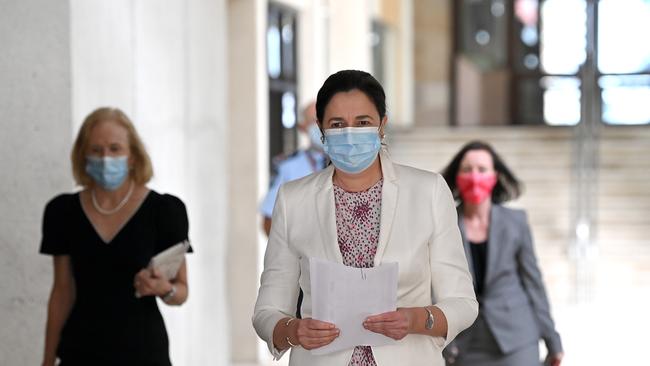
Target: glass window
483	32
625	99
282	76
288	47
564	36
545	55
623	29
526	35
273	51
561	100
288	110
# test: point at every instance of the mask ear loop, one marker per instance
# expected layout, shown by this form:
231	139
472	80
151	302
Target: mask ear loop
322	132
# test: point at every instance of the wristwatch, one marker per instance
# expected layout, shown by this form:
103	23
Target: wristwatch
429	324
169	295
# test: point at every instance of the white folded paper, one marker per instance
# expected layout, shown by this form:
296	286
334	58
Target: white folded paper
346	296
169	261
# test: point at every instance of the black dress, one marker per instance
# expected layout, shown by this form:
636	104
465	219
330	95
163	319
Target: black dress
108	325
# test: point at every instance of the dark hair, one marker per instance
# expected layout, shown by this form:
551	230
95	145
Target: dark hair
508	186
347	80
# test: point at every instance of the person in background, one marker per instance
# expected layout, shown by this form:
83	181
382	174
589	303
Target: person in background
102	309
514	311
362	211
301	163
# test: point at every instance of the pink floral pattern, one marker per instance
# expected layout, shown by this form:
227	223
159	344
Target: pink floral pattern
357	228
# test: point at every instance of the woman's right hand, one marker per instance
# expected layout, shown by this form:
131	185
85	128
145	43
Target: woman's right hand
312	333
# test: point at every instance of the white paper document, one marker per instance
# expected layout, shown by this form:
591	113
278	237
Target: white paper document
346	296
169	261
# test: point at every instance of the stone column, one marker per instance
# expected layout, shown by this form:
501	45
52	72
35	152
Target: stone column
247	171
35	142
349	35
432	57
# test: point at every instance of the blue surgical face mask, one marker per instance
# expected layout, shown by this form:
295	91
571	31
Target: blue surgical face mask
109	172
352	149
315	136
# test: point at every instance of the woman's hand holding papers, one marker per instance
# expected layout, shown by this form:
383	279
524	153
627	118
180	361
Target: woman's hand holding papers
150	282
394	324
397	324
312	333
307	333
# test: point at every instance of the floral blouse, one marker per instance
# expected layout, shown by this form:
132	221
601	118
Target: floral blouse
357	229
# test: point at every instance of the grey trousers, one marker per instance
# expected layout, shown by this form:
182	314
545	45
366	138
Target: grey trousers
484	351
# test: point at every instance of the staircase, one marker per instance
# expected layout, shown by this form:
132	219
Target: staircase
541	157
624	211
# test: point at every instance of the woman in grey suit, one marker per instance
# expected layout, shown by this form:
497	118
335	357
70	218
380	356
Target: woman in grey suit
513	308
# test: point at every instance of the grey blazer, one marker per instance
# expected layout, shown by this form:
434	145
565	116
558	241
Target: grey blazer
514	303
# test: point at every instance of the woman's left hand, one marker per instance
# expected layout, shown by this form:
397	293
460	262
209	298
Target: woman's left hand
150	282
394	324
554	359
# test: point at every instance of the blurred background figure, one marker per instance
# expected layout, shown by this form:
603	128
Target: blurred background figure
514	312
102	308
302	162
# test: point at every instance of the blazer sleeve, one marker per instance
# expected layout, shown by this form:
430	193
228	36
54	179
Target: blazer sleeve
534	287
279	288
452	288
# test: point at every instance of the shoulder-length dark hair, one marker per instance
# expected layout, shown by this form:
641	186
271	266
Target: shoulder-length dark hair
508	187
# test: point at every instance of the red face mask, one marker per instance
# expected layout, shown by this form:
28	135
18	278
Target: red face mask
475	188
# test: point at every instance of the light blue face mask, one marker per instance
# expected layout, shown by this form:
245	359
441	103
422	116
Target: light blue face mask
352	149
109	172
315	136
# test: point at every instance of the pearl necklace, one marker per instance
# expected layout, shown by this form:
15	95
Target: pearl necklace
116	208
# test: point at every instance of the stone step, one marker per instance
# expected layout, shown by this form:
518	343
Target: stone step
624	202
624	175
509	149
465	133
623	147
636	218
510	133
630	251
626	133
608	235
632	189
546	170
610	167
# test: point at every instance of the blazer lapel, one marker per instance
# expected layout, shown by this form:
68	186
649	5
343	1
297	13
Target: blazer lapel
495	241
389	193
466	245
326	210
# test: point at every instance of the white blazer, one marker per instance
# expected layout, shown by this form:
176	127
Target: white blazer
418	229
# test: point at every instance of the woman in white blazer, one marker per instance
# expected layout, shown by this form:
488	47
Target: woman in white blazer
364	210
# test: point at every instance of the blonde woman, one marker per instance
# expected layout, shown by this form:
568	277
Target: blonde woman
101	240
